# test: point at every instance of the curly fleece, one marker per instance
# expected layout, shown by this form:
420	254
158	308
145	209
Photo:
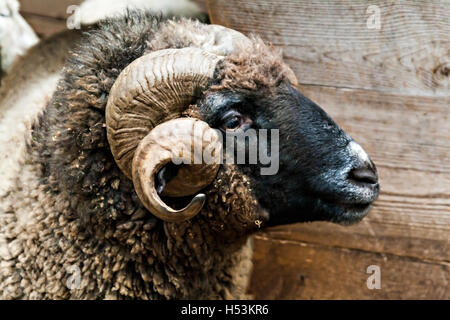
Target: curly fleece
70	214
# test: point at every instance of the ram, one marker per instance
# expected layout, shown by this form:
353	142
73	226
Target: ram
92	204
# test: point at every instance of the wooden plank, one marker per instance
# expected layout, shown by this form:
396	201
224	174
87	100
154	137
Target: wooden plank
409	140
46	8
47	17
328	43
45	26
201	4
290	270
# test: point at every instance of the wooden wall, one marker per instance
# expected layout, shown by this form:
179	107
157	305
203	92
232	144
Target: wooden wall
47	17
389	89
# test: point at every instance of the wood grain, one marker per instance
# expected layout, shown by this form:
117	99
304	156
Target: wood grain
47	17
292	270
45	8
45	26
328	42
201	4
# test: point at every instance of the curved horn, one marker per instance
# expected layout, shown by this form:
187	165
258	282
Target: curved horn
182	140
153	89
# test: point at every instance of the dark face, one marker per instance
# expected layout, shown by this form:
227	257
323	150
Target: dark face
322	175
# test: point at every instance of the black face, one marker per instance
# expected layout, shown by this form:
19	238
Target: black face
323	174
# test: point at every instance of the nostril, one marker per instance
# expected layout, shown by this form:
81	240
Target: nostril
364	175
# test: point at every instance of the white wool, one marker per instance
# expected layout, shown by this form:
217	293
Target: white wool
16	36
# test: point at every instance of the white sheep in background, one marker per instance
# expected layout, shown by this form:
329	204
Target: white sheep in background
92	11
16	36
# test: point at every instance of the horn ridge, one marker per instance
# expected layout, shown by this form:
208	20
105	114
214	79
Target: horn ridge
161	85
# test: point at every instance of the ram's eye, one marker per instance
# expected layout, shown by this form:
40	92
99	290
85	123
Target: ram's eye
234	121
